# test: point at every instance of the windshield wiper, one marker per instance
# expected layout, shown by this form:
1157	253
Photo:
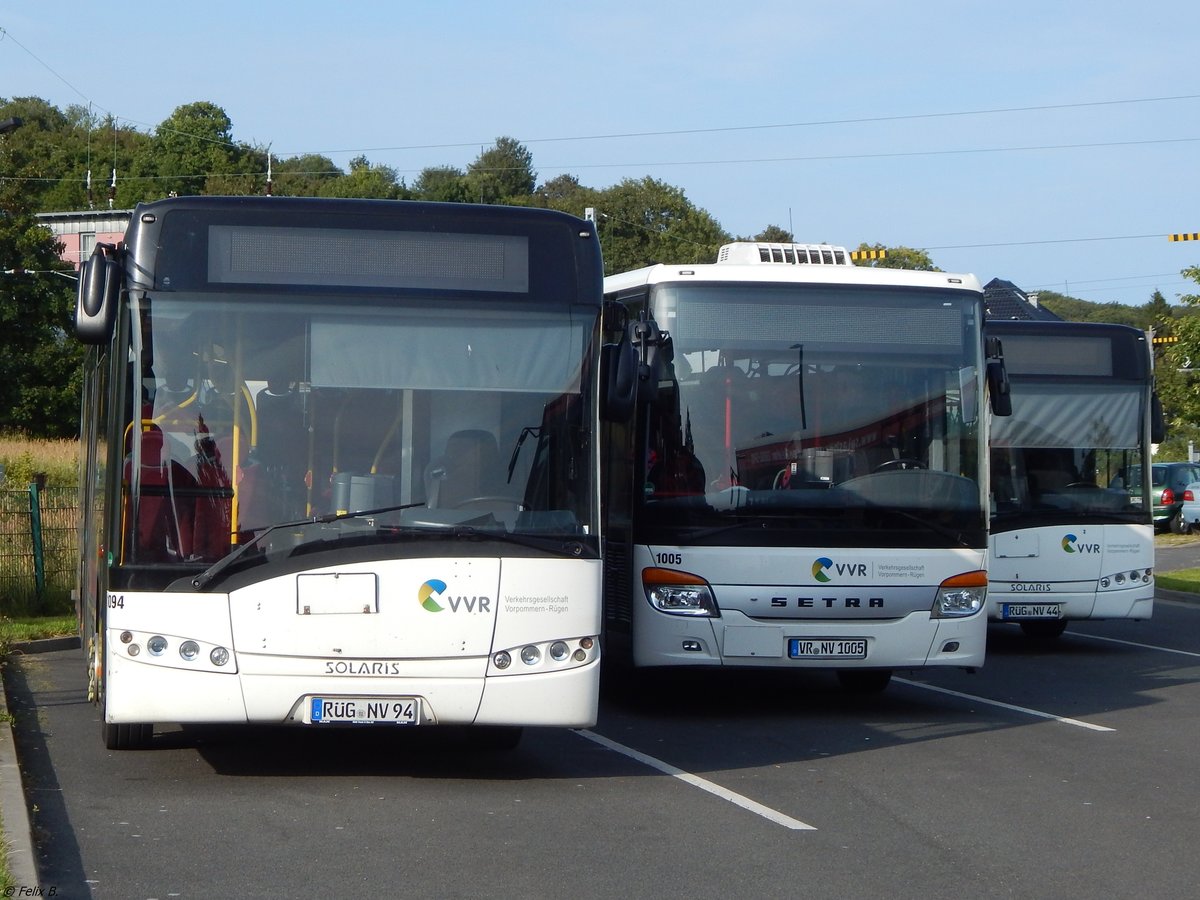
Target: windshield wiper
206	577
563	546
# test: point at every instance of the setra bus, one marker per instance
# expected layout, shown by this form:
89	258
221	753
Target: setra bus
804	482
1071	527
339	466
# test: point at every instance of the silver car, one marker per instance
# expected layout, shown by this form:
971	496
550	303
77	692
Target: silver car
1189	513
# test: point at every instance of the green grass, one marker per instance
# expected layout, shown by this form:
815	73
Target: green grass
14	631
1186	580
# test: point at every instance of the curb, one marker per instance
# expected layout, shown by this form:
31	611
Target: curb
18	831
14	813
1177	596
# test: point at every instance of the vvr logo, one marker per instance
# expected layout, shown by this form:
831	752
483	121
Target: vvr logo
820	566
1071	544
427	592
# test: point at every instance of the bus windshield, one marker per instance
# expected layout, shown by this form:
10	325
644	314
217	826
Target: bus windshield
261	409
830	409
1074	450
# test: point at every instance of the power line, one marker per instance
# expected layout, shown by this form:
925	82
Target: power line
5	34
809	124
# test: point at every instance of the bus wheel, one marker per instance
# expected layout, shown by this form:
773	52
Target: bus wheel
121	737
1044	631
864	681
496	737
127	737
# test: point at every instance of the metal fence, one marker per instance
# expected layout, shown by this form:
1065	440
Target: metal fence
39	550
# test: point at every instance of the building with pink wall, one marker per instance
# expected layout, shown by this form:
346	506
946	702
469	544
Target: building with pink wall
80	231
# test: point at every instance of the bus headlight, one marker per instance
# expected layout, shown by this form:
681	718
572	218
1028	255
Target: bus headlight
961	595
1131	578
551	655
531	655
679	593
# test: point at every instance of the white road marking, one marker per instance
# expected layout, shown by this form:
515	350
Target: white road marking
716	790
1021	709
1096	637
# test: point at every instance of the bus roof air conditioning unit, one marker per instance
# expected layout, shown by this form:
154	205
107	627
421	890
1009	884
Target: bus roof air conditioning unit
753	253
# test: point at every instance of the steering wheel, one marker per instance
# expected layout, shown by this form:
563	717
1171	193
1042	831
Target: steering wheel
494	499
1084	484
904	462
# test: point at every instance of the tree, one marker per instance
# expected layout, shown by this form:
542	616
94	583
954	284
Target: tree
898	258
501	173
566	194
365	180
1177	375
192	144
302	176
446	184
40	361
774	234
649	221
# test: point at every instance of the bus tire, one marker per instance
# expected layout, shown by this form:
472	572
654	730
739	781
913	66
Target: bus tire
497	738
127	736
116	737
864	681
1047	630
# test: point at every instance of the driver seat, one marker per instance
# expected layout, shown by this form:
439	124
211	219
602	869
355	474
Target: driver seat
469	467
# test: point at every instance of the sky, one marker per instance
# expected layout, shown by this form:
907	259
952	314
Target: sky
1054	145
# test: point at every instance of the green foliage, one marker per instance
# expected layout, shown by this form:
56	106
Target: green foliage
1073	309
303	176
500	173
445	184
39	361
649	221
366	181
775	234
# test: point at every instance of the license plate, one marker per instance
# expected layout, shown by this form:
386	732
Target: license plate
827	648
1031	611
364	710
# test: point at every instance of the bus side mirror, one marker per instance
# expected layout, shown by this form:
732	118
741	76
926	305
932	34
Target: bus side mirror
997	378
99	291
618	380
1158	422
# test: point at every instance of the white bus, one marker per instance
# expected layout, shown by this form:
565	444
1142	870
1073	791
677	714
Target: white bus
339	466
1072	536
804	484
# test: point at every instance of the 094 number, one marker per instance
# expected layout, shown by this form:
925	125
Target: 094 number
116	601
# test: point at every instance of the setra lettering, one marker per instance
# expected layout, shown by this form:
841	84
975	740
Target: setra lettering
829	602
